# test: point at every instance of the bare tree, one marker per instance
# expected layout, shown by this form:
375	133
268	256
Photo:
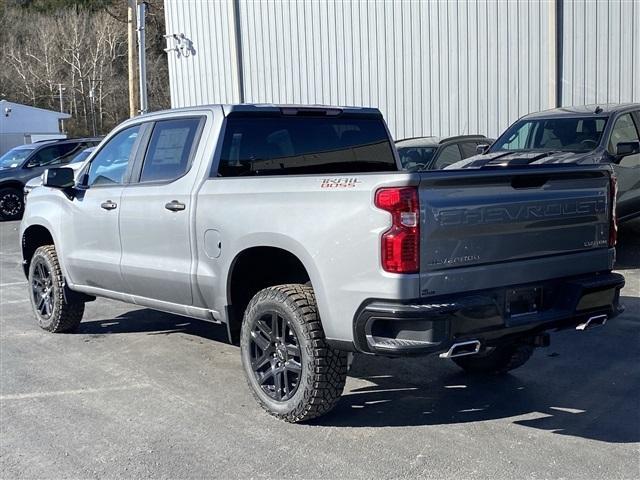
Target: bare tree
85	50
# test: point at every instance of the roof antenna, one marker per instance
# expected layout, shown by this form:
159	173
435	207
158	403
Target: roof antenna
597	110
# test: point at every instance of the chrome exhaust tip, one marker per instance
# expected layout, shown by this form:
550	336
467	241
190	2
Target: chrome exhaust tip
461	349
596	321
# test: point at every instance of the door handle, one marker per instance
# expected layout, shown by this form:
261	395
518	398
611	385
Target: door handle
109	205
175	206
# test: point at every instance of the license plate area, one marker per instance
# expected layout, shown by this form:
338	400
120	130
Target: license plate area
522	302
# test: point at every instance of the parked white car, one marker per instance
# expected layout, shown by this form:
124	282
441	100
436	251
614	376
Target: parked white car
76	164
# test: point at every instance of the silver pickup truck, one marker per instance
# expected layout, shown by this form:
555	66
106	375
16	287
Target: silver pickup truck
294	227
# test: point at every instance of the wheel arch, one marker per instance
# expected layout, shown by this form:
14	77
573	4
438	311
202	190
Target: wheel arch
259	266
33	237
18	185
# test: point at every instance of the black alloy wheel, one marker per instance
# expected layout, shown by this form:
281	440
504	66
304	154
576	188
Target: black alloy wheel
11	204
275	356
42	289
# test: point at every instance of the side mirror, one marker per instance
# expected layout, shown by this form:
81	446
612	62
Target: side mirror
482	148
625	149
62	177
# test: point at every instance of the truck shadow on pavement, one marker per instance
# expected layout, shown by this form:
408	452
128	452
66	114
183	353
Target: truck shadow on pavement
586	384
154	322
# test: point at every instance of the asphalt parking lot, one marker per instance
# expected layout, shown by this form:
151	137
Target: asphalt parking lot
137	393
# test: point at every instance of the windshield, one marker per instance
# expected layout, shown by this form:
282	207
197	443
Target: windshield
414	159
82	156
558	134
14	157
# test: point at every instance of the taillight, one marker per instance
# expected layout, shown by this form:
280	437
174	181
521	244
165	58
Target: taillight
613	225
401	243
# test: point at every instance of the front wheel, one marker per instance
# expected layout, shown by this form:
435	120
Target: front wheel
11	203
496	360
46	283
291	370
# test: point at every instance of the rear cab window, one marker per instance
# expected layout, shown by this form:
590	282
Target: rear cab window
272	144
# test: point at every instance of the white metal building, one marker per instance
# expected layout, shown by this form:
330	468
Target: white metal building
20	124
432	67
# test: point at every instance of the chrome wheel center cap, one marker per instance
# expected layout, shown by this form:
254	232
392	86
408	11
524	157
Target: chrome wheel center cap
281	353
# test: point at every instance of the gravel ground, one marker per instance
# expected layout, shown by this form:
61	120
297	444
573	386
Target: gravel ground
137	393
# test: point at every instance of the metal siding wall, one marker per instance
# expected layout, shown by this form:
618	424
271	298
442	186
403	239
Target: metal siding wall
601	53
209	75
433	68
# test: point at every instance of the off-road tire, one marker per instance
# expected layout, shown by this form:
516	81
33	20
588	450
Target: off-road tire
11	203
499	360
64	316
324	370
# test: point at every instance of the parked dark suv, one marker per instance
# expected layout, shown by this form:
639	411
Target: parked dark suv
590	134
435	153
22	163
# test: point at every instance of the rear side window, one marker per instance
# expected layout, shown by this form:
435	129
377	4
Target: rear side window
281	145
169	150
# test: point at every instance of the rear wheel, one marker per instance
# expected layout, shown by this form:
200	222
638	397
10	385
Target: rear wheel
11	203
46	283
497	360
291	370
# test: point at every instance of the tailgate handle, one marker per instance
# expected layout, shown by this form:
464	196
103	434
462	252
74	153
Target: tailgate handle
529	181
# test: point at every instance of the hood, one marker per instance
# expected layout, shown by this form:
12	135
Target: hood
517	159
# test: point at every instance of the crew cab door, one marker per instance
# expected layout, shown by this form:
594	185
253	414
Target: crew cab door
91	236
156	210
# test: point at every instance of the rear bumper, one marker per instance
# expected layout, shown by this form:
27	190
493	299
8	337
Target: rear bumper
426	326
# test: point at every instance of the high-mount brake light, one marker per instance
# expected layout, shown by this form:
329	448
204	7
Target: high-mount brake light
613	225
400	245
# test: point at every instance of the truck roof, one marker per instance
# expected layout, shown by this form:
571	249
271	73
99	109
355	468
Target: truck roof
292	109
592	110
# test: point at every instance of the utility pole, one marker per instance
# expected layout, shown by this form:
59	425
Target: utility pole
61	106
142	59
131	38
92	101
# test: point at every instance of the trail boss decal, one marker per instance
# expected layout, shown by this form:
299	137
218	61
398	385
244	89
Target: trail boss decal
339	183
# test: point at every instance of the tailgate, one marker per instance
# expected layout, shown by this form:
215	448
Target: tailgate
474	218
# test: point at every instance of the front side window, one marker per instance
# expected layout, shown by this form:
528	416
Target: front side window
109	166
624	130
53	155
581	134
448	156
169	150
469	149
286	145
